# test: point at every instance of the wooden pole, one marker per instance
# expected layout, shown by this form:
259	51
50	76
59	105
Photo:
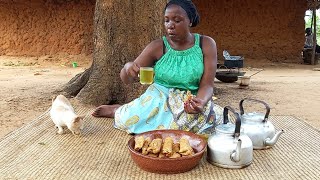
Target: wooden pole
314	34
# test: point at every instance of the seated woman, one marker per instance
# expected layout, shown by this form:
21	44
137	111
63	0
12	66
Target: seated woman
309	40
183	62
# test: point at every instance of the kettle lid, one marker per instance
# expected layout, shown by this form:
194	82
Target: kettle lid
253	116
226	128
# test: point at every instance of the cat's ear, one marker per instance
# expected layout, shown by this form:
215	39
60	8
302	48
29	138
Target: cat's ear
53	98
77	119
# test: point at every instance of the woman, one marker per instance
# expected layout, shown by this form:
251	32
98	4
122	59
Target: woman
182	62
309	40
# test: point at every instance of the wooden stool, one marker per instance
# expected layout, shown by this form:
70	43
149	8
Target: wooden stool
307	54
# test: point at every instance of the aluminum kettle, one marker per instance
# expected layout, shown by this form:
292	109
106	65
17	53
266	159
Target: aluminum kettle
228	147
256	125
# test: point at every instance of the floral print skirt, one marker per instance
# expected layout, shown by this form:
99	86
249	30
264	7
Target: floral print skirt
163	108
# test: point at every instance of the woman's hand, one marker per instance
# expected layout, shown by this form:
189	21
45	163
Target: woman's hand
194	106
129	72
132	69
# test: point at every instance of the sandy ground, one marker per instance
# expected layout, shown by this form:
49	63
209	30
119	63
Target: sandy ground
27	85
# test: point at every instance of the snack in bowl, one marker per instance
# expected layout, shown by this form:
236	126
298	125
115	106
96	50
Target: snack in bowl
185	148
138	143
163	148
167	146
146	145
155	146
188	97
180	151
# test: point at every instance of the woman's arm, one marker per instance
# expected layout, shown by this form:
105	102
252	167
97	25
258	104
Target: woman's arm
205	91
209	50
148	56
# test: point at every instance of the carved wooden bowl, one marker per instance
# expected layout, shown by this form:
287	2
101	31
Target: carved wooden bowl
167	165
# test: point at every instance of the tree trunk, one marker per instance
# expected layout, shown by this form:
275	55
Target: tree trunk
121	30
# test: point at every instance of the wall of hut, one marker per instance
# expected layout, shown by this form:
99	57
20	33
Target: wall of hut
270	29
46	27
259	30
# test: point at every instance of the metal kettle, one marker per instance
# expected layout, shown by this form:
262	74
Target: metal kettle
228	147
256	125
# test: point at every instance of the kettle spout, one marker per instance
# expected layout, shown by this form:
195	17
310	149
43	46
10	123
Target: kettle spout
271	142
235	155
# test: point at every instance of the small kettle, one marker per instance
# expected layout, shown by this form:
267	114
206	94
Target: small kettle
256	125
228	147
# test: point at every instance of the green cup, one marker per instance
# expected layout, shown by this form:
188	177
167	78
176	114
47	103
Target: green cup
74	64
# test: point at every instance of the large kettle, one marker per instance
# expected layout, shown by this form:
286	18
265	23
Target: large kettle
228	147
256	125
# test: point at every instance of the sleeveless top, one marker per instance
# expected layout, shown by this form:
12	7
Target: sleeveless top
180	69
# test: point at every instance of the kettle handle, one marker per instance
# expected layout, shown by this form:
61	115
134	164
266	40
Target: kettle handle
238	120
258	101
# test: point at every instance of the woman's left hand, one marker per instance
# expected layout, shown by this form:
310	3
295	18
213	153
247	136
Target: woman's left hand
194	106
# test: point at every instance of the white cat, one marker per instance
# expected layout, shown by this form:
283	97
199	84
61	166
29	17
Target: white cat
62	114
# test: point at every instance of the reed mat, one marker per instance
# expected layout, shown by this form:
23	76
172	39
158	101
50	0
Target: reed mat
35	151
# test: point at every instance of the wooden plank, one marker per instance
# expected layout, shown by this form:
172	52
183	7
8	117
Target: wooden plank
314	35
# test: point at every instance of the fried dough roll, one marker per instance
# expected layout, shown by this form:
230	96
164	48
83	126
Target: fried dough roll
146	143
139	140
161	155
185	148
176	147
188	97
175	151
155	146
152	155
175	155
167	146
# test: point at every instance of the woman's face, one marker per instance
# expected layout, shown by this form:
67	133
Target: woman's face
176	22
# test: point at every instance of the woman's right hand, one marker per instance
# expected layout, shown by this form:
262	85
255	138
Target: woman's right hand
194	106
129	72
132	69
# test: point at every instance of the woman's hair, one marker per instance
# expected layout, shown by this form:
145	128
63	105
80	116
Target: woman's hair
190	9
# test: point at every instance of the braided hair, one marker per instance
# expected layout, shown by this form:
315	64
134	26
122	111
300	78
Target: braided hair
190	9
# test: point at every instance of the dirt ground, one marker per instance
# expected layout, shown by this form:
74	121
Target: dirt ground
27	85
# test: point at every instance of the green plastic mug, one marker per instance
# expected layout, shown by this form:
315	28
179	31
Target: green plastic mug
74	64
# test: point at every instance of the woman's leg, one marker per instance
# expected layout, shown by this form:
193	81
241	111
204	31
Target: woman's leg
105	111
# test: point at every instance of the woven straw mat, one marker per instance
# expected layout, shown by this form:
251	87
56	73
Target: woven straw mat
35	151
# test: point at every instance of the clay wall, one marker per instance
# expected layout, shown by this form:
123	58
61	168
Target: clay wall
43	27
270	29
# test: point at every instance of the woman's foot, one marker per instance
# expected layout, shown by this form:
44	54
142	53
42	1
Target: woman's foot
105	111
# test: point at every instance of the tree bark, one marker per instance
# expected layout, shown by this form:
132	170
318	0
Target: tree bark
121	30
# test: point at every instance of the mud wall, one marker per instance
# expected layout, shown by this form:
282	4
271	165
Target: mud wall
42	27
270	29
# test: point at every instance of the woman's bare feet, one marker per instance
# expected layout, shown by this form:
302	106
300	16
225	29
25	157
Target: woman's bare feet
105	111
